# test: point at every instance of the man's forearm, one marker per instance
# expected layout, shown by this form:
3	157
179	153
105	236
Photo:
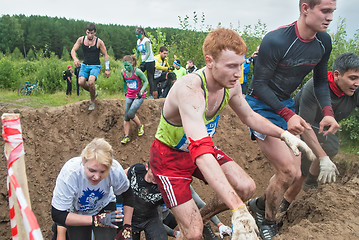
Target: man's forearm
310	138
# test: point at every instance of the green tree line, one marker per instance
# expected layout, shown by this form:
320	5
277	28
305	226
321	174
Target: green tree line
38	48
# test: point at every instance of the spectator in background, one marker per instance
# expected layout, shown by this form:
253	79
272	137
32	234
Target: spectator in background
190	66
144	50
178	70
77	71
252	59
68	80
161	80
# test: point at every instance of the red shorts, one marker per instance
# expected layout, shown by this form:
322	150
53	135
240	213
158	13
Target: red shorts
173	171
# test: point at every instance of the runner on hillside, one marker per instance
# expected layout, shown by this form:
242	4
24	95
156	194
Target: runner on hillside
134	85
90	68
344	94
285	57
183	146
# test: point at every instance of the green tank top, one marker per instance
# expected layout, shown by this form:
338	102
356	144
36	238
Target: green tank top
174	136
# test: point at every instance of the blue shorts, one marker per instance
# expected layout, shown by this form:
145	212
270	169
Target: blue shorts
266	111
87	70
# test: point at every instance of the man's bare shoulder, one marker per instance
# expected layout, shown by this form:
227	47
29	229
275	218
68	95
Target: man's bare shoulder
185	88
188	83
186	94
236	90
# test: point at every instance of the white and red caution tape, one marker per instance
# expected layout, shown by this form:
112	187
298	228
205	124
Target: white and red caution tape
12	212
11	132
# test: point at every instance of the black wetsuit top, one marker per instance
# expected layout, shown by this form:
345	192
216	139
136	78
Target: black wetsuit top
91	53
145	197
284	59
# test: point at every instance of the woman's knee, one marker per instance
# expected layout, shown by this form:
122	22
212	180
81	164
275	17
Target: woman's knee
130	115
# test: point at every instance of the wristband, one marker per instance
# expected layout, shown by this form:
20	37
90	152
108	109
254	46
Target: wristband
285	113
107	65
243	205
328	111
199	147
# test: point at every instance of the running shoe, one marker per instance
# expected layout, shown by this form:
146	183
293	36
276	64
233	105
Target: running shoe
284	205
258	214
268	231
141	131
307	185
92	106
125	140
208	234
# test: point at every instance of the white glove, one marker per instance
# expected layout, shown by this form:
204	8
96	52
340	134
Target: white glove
244	225
224	231
328	170
297	145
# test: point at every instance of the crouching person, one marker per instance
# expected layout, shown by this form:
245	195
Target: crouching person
84	196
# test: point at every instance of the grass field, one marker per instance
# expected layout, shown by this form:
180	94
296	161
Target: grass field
48	100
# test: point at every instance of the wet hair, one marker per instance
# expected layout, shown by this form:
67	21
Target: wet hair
130	58
100	150
345	62
91	27
163	48
223	39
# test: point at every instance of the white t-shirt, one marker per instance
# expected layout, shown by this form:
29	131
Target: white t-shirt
74	193
141	48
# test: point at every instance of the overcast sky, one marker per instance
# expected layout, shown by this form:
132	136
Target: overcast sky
164	13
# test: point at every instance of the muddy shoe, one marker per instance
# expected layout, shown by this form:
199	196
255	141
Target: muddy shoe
208	234
268	230
141	131
125	140
258	214
92	106
309	184
284	205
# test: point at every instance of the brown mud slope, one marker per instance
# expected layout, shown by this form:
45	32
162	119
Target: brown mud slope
53	135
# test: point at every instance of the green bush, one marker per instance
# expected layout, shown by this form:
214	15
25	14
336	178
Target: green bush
49	74
350	127
8	74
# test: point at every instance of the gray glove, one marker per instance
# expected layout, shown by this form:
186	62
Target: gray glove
328	170
297	145
244	225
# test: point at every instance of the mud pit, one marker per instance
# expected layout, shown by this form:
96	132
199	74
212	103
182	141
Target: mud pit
54	135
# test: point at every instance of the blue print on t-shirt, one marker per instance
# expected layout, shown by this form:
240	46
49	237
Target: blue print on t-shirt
89	199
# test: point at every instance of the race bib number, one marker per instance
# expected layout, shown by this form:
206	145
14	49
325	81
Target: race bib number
132	84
